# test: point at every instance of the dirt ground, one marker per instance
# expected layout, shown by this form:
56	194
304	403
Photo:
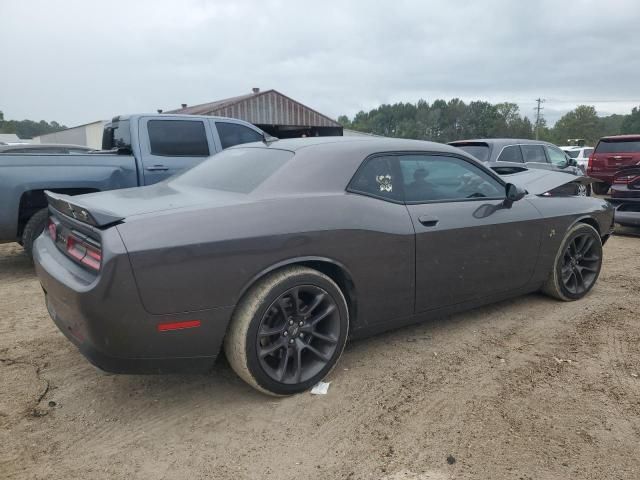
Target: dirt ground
530	388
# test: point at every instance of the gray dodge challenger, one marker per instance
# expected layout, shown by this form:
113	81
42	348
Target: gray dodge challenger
278	251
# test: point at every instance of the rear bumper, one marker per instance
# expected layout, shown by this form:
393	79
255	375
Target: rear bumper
104	318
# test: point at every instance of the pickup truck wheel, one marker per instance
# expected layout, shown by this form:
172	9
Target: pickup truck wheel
288	331
577	264
32	230
600	188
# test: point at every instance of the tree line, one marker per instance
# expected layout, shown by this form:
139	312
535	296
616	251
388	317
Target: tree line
444	121
28	128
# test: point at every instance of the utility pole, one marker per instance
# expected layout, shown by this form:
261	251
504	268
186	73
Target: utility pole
538	110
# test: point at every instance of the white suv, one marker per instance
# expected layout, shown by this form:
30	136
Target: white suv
580	154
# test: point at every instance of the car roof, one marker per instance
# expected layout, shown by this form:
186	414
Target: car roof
610	138
501	141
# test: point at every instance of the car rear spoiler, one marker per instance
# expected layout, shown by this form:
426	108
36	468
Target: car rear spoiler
72	207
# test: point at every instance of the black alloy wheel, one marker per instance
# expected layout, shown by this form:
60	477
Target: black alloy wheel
581	264
298	334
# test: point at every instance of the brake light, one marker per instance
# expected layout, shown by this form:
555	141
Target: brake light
84	252
590	164
53	229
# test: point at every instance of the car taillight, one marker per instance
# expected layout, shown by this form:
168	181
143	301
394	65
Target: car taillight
53	229
590	164
84	252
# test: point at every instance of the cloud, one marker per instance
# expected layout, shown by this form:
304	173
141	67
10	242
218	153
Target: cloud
77	61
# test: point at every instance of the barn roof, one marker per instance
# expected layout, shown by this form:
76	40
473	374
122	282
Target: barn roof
262	108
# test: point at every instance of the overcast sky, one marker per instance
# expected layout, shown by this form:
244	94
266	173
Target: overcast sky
79	61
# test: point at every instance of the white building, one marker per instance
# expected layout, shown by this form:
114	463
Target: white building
89	134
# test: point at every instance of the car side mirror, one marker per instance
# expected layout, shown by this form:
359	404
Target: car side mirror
572	162
513	193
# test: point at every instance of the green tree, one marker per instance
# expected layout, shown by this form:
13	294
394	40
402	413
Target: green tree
582	122
631	123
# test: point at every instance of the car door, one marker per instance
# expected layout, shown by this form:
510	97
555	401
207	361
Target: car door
469	243
535	157
173	145
557	158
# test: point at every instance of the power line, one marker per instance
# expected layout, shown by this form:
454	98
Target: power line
539	117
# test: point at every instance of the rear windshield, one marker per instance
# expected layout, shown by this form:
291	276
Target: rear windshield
573	153
618	146
478	150
239	170
116	135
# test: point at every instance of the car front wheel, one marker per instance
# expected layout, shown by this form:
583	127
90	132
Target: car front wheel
577	264
288	331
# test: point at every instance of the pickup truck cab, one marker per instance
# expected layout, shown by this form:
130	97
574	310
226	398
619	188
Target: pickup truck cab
136	150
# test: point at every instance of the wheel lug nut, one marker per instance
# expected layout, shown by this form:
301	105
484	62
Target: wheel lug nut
301	323
291	340
290	322
286	333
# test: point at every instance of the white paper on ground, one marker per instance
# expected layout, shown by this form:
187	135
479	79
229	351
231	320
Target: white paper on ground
320	388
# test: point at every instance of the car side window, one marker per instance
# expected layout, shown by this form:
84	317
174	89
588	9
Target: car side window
512	153
234	134
428	178
533	153
178	138
377	177
556	156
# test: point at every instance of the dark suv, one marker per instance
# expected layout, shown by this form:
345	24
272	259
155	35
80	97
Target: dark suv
611	155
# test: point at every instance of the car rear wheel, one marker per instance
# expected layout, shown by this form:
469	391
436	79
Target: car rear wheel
577	264
288	331
32	230
600	188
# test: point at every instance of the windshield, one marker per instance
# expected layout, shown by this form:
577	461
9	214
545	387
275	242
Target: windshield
478	150
618	146
239	170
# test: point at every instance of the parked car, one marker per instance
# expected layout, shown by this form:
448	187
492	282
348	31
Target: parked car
279	251
610	155
44	148
625	195
512	155
579	154
137	150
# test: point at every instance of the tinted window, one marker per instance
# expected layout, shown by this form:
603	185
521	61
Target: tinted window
511	153
178	138
480	151
234	134
618	146
429	178
241	170
533	153
556	156
573	153
586	152
378	178
116	135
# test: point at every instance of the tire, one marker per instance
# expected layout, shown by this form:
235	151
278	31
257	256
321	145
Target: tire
308	350
600	188
574	264
32	230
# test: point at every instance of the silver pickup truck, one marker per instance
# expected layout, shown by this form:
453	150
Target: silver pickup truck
136	150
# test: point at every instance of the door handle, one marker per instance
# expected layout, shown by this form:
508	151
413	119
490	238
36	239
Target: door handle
157	168
428	220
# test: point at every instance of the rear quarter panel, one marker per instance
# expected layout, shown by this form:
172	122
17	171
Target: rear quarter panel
197	259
